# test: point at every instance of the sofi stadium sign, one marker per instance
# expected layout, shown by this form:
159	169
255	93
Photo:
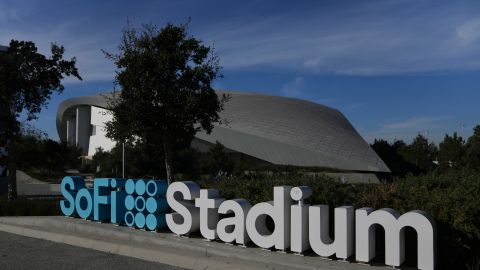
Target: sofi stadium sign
185	208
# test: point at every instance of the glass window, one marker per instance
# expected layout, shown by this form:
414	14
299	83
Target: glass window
93	130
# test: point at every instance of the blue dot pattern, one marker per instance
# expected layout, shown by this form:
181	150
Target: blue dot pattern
146	204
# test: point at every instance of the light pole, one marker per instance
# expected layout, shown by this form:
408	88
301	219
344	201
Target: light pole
123	159
123	142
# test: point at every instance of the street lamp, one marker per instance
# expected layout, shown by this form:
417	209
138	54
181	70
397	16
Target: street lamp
123	142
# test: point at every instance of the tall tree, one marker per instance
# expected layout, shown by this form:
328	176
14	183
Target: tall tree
391	155
166	95
420	153
220	162
27	81
472	151
451	151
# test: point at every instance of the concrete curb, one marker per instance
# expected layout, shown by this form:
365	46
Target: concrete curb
191	253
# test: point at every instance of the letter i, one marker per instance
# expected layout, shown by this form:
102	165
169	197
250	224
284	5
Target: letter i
117	206
299	219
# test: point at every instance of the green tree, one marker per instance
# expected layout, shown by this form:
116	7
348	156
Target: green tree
165	76
451	151
103	163
472	150
27	81
421	154
28	149
391	155
55	156
219	161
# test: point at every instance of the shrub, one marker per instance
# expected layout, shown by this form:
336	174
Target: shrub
27	207
451	198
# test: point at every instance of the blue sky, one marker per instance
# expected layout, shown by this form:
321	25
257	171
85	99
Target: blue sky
394	68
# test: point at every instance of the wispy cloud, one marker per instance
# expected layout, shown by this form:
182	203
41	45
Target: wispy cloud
349	37
90	60
293	88
10	11
360	38
418	123
325	100
355	106
75	34
469	32
409	128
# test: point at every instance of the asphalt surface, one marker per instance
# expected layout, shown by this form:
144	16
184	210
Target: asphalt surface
20	252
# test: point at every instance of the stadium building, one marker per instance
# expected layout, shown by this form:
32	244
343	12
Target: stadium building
278	130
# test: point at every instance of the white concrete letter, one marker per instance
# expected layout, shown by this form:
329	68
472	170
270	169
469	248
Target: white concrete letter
394	226
279	211
186	218
299	219
208	203
319	233
231	229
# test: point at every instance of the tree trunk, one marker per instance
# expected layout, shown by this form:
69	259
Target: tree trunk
168	160
4	164
9	135
12	171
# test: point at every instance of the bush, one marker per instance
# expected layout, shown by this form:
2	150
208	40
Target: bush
450	198
44	158
27	207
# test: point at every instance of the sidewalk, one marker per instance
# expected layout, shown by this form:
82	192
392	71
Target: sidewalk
166	248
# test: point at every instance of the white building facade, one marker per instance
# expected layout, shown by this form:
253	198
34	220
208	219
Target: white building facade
84	126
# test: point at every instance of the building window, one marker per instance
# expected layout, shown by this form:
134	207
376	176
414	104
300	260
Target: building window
93	130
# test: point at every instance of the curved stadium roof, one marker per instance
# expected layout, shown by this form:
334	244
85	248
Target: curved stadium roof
280	130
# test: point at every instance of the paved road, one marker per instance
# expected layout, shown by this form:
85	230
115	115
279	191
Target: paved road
20	252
